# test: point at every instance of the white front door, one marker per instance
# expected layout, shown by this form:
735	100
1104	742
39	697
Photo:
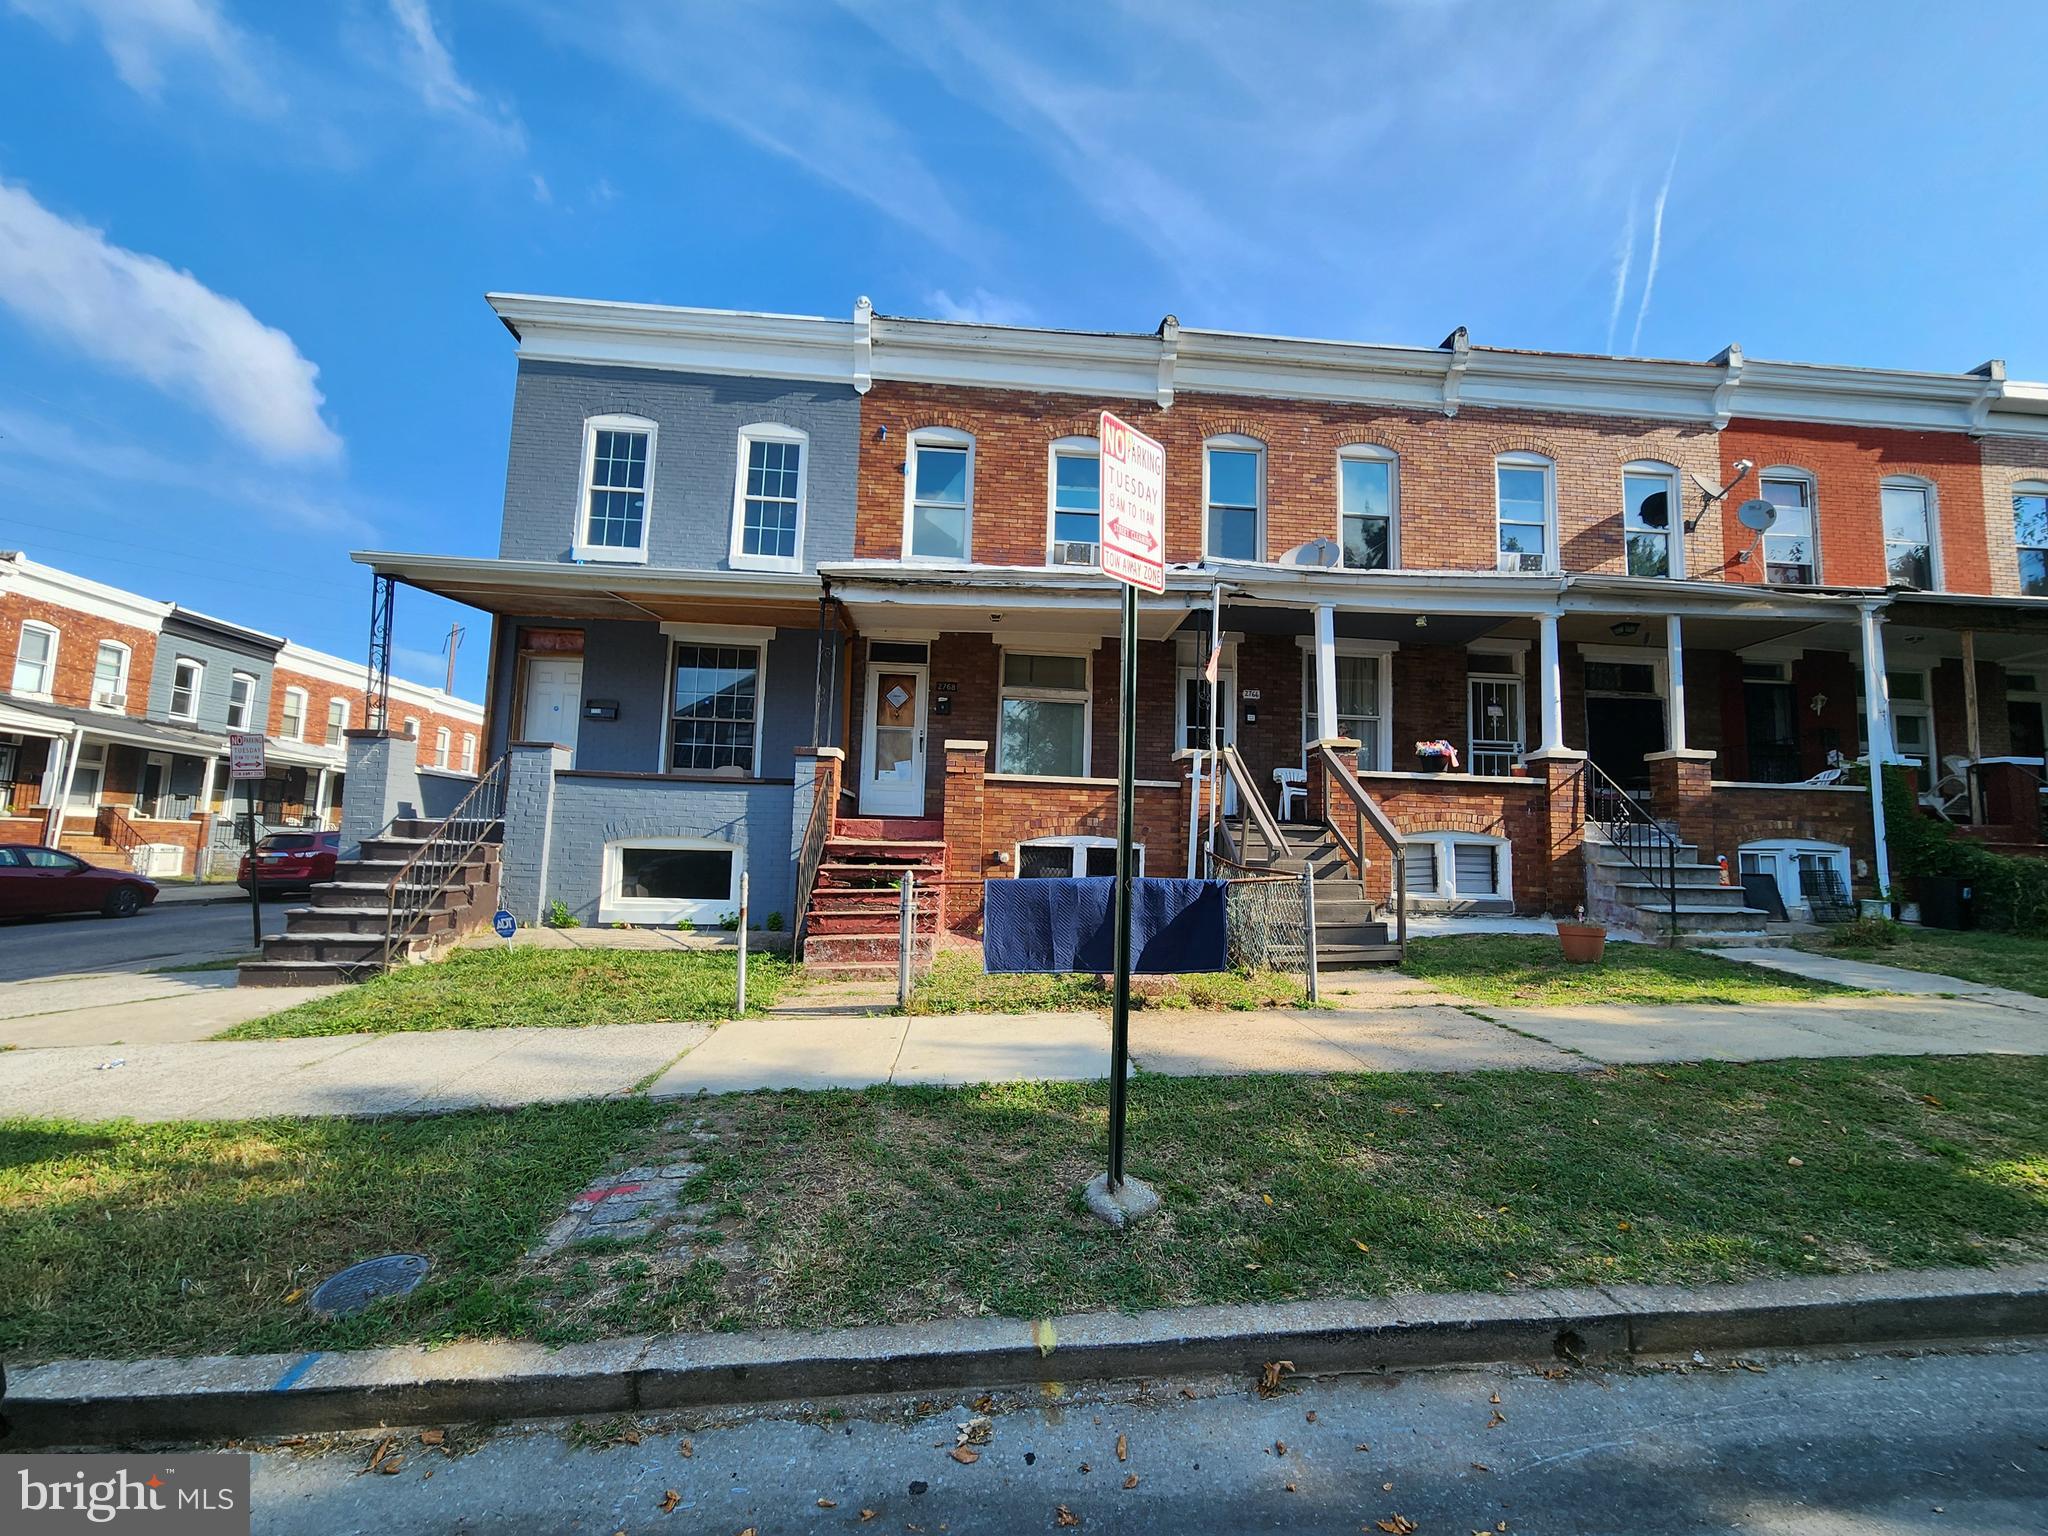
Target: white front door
554	703
1194	721
892	741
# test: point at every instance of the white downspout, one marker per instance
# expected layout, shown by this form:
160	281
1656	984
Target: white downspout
1877	728
71	751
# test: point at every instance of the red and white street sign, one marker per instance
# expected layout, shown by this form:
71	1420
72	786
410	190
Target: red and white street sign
245	755
1133	506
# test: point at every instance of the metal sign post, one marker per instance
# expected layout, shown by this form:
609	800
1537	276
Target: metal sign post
246	767
1133	552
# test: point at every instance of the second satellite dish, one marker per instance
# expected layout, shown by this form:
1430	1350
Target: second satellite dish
1757	514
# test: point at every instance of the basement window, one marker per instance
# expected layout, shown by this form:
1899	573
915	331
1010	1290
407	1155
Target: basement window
1073	858
666	879
1457	866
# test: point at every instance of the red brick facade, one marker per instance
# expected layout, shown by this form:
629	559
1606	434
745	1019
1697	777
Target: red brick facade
79	635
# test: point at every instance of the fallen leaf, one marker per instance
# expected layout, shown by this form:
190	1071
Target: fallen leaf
985	1404
669	1501
1065	1516
433	1436
1623	1226
1795	1162
391	1464
1289	1488
296	1295
1398	1525
869	1514
1267	1198
1480	1466
749	1531
686	1450
1360	1246
1188	1393
966	1455
1123	1448
384	1448
828	1503
1497	1420
1386	1487
974	1432
630	1435
1493	1398
1928	1098
1252	1264
1279	1447
1269	1376
1131	1481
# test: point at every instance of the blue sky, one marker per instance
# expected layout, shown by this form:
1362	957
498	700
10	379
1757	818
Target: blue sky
243	247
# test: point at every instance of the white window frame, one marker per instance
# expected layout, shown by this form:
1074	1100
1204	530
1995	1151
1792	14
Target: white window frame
1895	707
1444	844
197	690
412	726
936	437
249	709
741	639
1372	453
2025	488
580	533
329	728
1382	652
49	678
469	751
1933	504
1236	442
1552	557
120	682
1807	479
1786	851
1076	447
444	744
291	726
1077	845
769	432
614	908
1048	695
1674	531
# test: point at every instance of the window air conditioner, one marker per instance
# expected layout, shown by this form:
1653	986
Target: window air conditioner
105	700
1075	552
1520	560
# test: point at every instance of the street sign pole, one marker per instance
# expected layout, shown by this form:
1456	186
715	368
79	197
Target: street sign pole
1126	776
255	882
246	766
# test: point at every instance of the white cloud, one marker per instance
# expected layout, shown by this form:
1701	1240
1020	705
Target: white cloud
142	317
980	307
1635	339
1624	258
430	70
145	37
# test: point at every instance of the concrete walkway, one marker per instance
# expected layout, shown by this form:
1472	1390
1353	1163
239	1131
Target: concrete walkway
1884	978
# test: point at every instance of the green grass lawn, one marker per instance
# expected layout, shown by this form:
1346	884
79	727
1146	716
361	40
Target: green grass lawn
900	1204
1993	959
956	984
541	988
1518	970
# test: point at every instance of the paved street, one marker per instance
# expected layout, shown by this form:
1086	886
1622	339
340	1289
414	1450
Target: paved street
172	933
1828	1447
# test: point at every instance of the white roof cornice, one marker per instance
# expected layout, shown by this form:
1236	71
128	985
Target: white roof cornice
61	589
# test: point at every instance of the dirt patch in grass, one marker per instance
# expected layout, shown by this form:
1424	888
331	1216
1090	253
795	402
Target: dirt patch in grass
956	983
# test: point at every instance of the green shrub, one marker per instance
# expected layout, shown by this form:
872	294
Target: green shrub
2011	893
559	916
774	923
1868	933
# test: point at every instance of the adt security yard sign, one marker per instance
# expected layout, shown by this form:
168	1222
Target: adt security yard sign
505	923
1133	506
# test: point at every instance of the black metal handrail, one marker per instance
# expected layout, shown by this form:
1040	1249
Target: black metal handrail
447	850
817	832
1251	809
1628	826
1368	813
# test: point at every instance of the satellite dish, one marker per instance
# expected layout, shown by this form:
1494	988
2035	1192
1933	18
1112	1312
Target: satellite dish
1316	552
1756	514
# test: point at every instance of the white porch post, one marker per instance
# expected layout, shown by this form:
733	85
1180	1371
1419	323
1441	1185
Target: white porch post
320	799
1549	685
1877	727
1973	725
1326	672
1674	659
71	750
203	864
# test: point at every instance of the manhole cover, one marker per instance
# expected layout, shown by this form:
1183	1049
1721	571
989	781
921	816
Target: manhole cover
395	1274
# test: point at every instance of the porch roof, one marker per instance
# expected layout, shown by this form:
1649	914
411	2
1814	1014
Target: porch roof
554	589
54	720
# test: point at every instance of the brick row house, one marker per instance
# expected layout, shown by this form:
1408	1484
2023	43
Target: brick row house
1501	593
114	723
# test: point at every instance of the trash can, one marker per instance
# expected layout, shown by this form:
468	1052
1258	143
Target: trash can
1946	901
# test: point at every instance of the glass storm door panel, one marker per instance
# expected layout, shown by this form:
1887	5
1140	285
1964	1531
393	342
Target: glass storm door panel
892	764
1194	721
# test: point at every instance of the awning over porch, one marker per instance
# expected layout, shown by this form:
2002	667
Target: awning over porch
57	720
552	589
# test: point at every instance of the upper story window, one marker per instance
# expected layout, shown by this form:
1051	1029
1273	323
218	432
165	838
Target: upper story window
1909	533
1526	511
1791	554
1075	479
292	721
1649	518
188	679
1044	715
469	752
1234	498
412	726
938	505
241	700
2030	533
768	505
110	676
618	480
441	740
337	721
1366	491
35	658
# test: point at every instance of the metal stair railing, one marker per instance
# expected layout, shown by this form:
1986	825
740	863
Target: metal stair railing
448	848
1367	812
112	827
1251	812
1643	840
817	832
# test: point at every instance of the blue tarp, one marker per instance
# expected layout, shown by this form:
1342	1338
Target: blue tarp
1042	926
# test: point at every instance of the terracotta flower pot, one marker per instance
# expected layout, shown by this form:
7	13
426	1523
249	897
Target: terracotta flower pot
1583	943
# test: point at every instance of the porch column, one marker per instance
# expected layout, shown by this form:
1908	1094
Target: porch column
1973	732
1674	660
202	863
1549	685
320	799
966	850
1877	725
72	748
1326	672
1681	780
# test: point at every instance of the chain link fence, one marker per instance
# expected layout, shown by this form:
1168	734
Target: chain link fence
1267	921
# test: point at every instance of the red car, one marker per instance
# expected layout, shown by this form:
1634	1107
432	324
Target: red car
36	882
292	860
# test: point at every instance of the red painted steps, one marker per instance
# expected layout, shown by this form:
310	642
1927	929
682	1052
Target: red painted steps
854	920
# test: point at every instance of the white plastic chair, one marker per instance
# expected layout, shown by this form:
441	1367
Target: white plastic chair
1293	784
1952	789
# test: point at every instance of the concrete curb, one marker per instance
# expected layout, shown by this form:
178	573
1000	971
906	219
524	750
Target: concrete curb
88	1402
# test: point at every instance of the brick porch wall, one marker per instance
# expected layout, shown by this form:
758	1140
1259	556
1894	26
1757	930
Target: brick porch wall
1517	810
1742	814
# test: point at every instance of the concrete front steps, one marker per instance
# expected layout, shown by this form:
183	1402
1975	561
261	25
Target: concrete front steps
1618	892
1350	930
339	935
853	926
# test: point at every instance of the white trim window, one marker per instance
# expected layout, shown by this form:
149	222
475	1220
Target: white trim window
1073	491
1910	694
1234	498
769	498
938	496
1073	858
35	659
2030	534
1365	704
110	677
1651	518
443	741
1791	545
291	723
1368	496
1525	511
667	879
617	488
714	723
1459	866
241	700
412	726
337	721
469	751
1912	555
188	682
1793	863
1043	715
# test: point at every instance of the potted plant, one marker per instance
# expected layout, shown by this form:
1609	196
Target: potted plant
1583	943
1435	756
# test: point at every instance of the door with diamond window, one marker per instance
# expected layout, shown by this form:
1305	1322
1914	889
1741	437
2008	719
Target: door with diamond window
892	748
